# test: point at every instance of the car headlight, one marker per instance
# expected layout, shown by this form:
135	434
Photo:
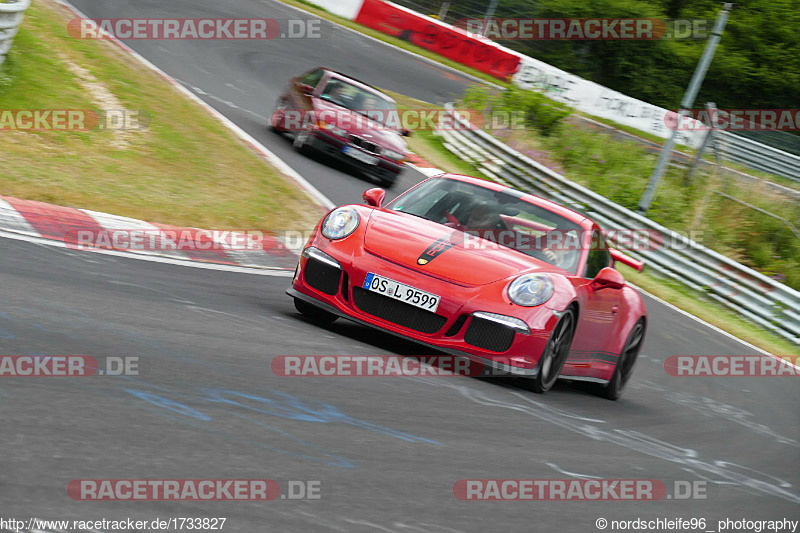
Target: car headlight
391	154
530	290
508	321
336	130
340	223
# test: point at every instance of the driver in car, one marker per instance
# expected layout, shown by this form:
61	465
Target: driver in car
333	91
564	251
484	216
483	221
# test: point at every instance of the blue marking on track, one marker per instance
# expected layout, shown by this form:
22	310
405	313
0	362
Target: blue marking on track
171	405
188	408
279	404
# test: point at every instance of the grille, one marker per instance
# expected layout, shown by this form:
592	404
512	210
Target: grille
398	312
489	335
361	143
321	276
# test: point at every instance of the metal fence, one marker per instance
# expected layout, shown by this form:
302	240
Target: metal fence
781	140
11	15
758	156
751	294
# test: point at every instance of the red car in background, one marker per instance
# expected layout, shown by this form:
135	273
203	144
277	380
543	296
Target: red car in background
477	269
343	118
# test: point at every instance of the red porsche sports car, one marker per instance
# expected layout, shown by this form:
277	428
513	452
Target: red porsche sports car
345	119
480	270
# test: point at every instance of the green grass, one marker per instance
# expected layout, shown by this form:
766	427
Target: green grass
707	156
184	169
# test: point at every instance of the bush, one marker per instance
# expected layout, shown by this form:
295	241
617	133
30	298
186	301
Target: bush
541	112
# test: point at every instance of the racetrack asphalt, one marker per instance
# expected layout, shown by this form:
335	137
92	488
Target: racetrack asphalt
387	451
243	79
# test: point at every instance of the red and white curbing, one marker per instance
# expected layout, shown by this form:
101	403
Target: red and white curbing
422	166
62	224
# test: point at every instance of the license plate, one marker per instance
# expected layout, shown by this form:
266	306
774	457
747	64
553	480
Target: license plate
357	154
404	293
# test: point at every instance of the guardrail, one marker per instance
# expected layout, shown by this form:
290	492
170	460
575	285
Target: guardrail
11	14
751	294
758	156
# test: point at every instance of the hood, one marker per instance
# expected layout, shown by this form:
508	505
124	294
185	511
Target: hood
405	239
358	124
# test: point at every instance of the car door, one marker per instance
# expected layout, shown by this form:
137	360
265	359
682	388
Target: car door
601	309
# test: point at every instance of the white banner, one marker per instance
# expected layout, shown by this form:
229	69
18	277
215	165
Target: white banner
599	101
348	9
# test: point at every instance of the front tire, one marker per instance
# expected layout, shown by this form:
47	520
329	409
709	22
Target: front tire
314	313
555	353
626	362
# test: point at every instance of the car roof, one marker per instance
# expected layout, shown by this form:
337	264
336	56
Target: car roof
362	84
559	209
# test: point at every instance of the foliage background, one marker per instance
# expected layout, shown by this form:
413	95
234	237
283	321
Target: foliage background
757	63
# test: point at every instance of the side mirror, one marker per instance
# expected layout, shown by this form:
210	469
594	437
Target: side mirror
616	255
305	89
608	278
374	197
405	133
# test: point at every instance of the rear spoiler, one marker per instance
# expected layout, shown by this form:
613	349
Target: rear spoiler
626	260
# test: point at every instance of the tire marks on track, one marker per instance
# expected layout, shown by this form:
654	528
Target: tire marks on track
685	458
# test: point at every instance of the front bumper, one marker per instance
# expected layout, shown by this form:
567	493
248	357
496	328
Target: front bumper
333	281
330	146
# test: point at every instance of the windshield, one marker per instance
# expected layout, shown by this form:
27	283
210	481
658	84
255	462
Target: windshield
489	219
361	101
